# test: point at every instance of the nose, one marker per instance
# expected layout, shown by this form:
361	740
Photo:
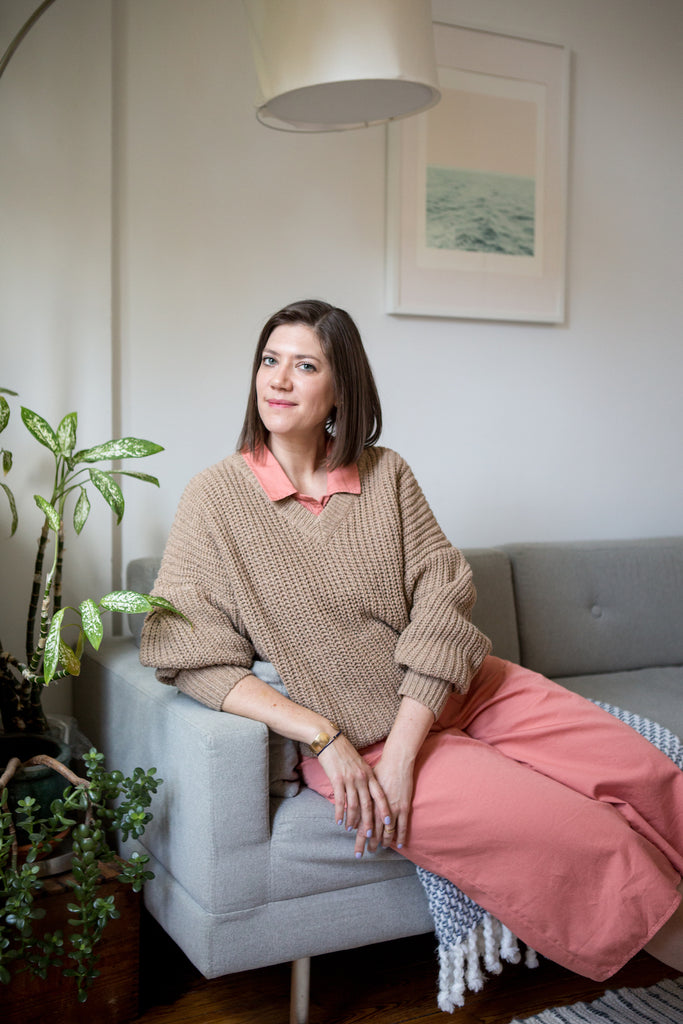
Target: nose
281	379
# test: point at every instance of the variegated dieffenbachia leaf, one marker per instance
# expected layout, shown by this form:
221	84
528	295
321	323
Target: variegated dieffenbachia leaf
81	510
40	429
161	602
52	646
69	659
66	433
122	448
12	508
127	601
4	413
49	511
110	491
92	622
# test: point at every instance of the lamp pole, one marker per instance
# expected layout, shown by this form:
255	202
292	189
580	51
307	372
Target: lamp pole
25	28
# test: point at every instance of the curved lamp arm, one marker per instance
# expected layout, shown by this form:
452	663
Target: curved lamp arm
26	27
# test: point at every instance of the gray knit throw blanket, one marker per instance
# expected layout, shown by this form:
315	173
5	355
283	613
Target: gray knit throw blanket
471	940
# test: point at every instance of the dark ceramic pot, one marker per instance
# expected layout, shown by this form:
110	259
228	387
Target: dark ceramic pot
38	781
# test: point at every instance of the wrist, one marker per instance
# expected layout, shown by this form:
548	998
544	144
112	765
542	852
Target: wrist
399	751
324	738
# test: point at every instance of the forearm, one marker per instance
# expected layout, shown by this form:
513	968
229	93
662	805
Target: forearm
252	698
409	731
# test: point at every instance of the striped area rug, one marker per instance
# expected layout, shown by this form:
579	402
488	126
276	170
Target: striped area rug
661	1004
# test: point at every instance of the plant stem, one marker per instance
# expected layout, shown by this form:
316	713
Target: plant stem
57	593
35	592
44	614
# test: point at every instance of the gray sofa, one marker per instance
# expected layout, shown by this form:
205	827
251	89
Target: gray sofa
249	868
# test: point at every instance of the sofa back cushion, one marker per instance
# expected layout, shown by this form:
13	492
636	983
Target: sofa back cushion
494	612
601	606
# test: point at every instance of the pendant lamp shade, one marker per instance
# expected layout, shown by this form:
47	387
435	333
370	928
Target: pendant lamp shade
330	65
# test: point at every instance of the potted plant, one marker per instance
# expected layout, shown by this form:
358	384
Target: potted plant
48	656
94	809
91	811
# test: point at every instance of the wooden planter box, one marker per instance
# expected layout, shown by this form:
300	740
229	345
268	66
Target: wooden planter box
113	998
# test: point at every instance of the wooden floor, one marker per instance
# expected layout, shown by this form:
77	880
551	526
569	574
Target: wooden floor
391	983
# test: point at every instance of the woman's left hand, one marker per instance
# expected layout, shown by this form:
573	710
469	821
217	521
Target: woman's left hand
395	772
395	776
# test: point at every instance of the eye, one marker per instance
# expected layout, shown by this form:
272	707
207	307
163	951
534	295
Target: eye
308	367
268	361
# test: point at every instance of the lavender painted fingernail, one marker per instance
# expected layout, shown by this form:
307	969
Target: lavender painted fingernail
358	856
387	820
368	834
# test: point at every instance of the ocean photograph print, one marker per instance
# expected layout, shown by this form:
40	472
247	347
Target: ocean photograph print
476	186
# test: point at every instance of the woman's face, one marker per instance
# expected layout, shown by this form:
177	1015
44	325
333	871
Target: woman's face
294	385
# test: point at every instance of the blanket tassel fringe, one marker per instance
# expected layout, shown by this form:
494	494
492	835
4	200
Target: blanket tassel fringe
460	966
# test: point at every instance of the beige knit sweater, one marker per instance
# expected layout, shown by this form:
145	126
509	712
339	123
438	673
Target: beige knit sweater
355	607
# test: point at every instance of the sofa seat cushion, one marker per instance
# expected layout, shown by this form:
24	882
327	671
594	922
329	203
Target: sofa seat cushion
328	863
651	692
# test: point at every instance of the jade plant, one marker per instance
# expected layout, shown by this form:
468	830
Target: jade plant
93	809
56	634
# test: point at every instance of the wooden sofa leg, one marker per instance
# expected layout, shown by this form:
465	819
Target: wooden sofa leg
300	993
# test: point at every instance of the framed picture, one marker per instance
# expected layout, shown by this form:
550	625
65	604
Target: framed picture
476	186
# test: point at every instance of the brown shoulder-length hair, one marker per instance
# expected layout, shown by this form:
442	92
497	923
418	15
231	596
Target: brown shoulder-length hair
356	420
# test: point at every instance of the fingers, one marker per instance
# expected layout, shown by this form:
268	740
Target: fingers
383	816
388	831
396	778
398	834
392	831
390	826
402	830
359	800
365	818
339	803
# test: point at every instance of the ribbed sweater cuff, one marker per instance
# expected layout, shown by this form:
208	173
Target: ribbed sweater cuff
428	690
210	685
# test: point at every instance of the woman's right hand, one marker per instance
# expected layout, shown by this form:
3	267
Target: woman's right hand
358	797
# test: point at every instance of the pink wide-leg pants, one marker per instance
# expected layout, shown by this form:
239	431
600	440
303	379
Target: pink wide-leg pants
560	820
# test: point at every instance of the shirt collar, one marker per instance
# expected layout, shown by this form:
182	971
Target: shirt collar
277	484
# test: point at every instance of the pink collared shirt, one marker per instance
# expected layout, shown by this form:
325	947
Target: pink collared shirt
277	484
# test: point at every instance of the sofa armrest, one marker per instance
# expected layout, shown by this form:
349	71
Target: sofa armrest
211	816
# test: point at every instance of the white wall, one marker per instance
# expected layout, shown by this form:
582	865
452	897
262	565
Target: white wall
55	274
515	431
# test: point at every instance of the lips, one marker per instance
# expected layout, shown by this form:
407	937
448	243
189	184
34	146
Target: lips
279	404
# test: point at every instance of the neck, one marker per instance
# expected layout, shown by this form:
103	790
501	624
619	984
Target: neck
304	462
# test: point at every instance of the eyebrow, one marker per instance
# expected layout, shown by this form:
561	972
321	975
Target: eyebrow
301	355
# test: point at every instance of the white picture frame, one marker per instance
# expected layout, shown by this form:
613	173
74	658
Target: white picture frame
477	185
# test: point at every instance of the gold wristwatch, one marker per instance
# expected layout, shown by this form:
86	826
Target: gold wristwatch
322	739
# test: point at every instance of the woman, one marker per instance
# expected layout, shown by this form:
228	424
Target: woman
315	549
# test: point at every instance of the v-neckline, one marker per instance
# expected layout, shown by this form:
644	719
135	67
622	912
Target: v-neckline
320	526
324	523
